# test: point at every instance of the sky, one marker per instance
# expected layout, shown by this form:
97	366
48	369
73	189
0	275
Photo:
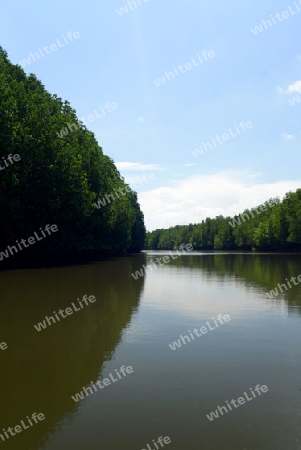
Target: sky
226	74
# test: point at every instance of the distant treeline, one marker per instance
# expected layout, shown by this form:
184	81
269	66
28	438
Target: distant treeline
272	226
45	179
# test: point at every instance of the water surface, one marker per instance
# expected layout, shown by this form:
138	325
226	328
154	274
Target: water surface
132	323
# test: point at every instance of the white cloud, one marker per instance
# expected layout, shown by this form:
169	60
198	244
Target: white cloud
136	166
287	137
295	87
195	198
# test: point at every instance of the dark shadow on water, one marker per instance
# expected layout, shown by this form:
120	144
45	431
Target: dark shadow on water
41	370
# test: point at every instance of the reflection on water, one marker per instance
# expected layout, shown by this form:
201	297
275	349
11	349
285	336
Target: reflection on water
40	370
132	323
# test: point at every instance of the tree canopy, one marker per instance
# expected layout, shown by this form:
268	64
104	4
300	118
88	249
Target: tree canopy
272	226
57	180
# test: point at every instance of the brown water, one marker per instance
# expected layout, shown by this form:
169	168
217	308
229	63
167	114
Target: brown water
132	323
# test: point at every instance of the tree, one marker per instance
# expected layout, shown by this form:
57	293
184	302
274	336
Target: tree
59	177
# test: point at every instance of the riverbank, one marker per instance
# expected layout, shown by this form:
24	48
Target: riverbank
46	259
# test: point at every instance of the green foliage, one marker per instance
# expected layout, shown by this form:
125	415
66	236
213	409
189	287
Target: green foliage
58	179
274	228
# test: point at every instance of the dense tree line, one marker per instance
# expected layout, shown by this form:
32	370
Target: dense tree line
57	180
273	226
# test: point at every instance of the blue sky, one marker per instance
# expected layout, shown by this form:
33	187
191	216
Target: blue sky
155	129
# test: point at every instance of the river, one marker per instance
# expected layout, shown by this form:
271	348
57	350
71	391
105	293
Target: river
172	388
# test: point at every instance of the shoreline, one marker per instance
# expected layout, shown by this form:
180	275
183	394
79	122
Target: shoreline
51	260
61	259
253	252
